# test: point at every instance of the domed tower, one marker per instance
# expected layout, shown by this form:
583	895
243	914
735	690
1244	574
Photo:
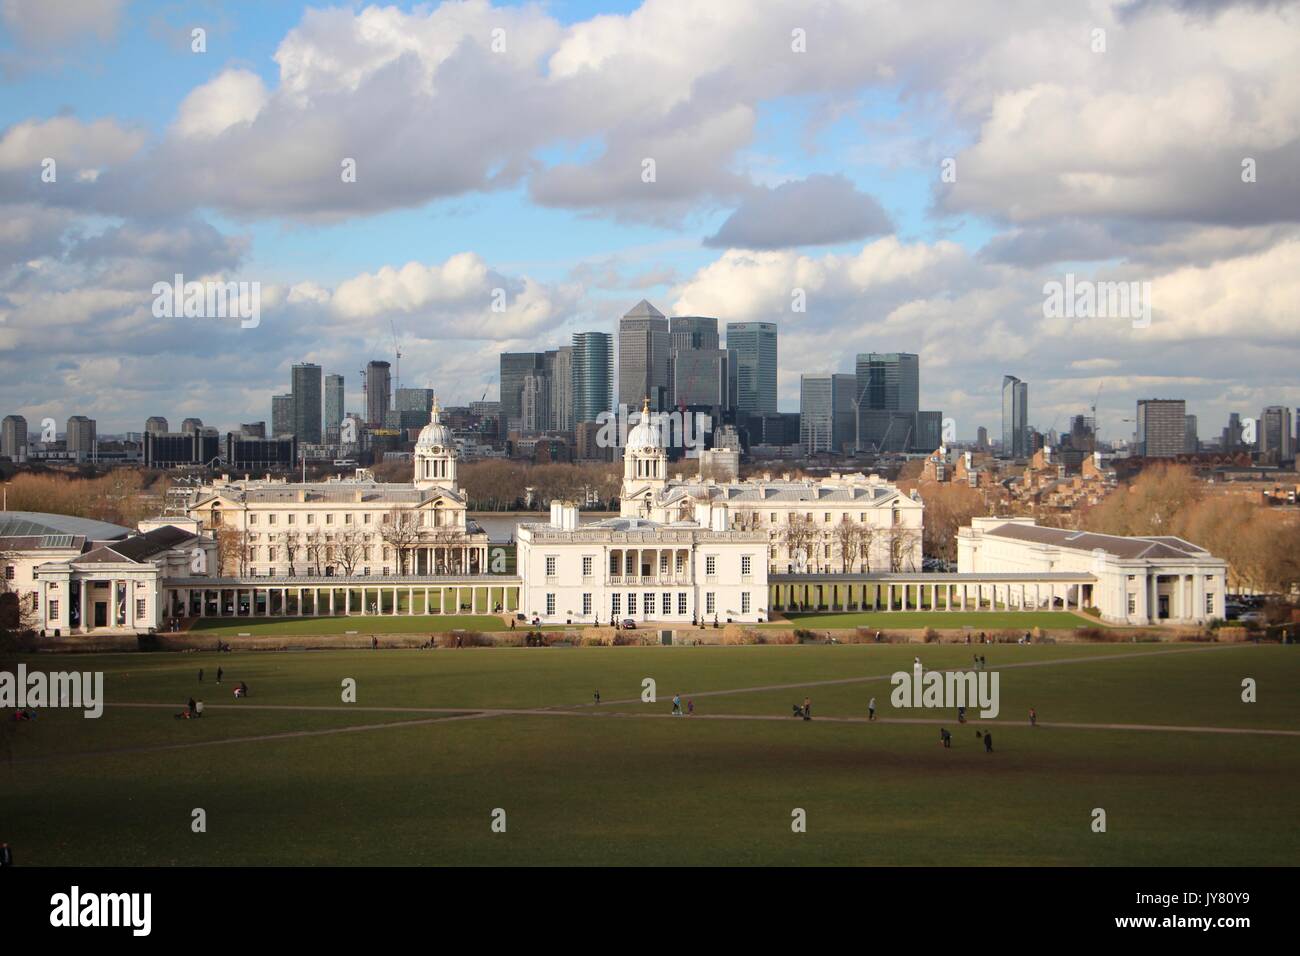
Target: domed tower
435	455
644	460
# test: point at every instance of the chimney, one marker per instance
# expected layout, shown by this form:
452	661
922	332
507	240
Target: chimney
720	519
703	511
557	514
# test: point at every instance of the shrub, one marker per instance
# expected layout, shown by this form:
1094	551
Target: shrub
930	635
734	635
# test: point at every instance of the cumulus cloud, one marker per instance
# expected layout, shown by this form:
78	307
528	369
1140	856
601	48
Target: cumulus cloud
41	23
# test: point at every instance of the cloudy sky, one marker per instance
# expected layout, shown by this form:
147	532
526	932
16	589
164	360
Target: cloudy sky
919	170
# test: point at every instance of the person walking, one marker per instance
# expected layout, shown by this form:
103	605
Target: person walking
871	709
677	705
596	696
219	673
1033	717
200	675
988	743
6	855
945	738
192	707
690	707
807	708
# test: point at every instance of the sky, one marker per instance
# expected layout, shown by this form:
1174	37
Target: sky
463	179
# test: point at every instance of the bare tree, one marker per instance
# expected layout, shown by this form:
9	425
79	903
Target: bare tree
232	555
290	543
315	545
400	530
846	535
16	616
349	549
867	535
798	536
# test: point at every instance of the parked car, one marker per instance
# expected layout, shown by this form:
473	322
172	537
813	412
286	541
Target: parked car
1252	618
628	624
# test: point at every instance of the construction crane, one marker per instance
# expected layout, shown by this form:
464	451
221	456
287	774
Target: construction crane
397	365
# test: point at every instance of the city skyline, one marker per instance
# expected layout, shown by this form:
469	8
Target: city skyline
874	194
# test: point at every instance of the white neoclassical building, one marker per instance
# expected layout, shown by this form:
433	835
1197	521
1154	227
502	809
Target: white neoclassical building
700	570
116	584
846	522
350	527
1137	580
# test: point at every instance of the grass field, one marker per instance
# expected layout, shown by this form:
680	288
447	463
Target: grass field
1155	734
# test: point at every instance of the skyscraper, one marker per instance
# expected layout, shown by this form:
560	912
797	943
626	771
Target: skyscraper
593	375
693	332
643	357
306	381
156	424
1015	418
81	437
1161	427
13	438
889	381
1275	441
1191	440
515	368
378	394
281	415
559	369
754	344
334	406
826	412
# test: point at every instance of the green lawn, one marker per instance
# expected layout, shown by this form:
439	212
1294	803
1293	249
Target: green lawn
624	783
976	620
368	624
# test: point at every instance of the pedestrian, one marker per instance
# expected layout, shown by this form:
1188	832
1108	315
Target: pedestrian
6	855
807	708
1028	640
945	738
198	709
988	743
192	707
200	675
690	707
374	643
877	637
871	709
219	673
677	705
961	715
1033	717
597	695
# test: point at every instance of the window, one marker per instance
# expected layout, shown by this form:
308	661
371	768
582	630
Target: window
347	518
1132	604
9	572
587	563
681	602
1209	604
744	602
631	603
270	519
550	604
663	562
329	519
615	605
139	608
54	610
252	519
710	605
367	518
746	565
711	565
648	603
550	565
666	603
311	519
292	519
586	604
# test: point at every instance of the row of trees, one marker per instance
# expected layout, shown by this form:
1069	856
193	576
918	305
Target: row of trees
854	545
340	552
1261	544
122	497
499	485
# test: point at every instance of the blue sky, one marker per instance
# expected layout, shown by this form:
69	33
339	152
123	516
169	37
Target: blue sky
779	169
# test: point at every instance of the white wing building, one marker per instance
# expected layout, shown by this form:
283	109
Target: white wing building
700	571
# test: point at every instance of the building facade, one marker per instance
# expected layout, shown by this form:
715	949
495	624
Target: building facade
754	345
1136	580
644	351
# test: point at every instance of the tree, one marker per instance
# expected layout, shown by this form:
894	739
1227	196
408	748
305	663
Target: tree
290	543
902	548
798	536
949	507
232	556
315	545
16	615
847	534
348	550
400	531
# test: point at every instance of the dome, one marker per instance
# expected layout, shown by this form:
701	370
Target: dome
647	433
435	434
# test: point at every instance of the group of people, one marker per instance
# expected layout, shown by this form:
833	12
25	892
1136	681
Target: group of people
804	710
677	705
195	709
